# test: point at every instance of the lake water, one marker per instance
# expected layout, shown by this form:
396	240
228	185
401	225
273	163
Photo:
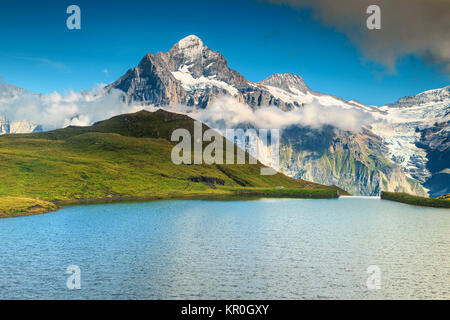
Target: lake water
262	249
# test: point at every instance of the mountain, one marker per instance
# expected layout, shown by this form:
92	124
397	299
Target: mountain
194	75
128	157
416	133
189	73
21	126
389	155
355	162
405	148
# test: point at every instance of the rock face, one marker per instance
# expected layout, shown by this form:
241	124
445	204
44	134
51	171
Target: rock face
288	82
354	161
435	140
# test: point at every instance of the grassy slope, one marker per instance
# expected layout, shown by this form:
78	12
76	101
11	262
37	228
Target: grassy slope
414	200
126	157
13	206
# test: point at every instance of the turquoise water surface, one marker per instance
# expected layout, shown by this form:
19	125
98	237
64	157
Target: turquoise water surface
196	249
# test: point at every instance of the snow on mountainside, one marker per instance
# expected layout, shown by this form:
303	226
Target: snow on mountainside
425	98
20	126
190	83
416	127
401	124
291	88
197	66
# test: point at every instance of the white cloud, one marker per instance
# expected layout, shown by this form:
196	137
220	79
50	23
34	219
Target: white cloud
227	112
54	110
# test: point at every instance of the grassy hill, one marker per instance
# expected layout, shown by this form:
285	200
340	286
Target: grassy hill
442	202
126	158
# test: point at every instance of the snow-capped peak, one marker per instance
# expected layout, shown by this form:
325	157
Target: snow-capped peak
441	95
189	42
188	49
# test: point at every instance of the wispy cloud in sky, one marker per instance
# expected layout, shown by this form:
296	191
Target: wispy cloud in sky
59	66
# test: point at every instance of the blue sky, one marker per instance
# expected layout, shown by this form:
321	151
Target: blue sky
39	53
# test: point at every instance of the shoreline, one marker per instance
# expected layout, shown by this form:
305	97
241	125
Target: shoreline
224	197
19	207
236	195
54	206
28	214
415	200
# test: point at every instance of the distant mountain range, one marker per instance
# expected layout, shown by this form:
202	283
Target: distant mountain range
405	148
19	126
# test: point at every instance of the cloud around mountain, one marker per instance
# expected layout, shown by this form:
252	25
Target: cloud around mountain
229	113
407	27
53	111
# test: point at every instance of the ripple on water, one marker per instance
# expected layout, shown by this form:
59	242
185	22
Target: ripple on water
277	249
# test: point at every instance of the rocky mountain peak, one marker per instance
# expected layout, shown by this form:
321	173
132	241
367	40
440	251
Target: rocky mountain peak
188	43
190	57
437	96
286	81
188	50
